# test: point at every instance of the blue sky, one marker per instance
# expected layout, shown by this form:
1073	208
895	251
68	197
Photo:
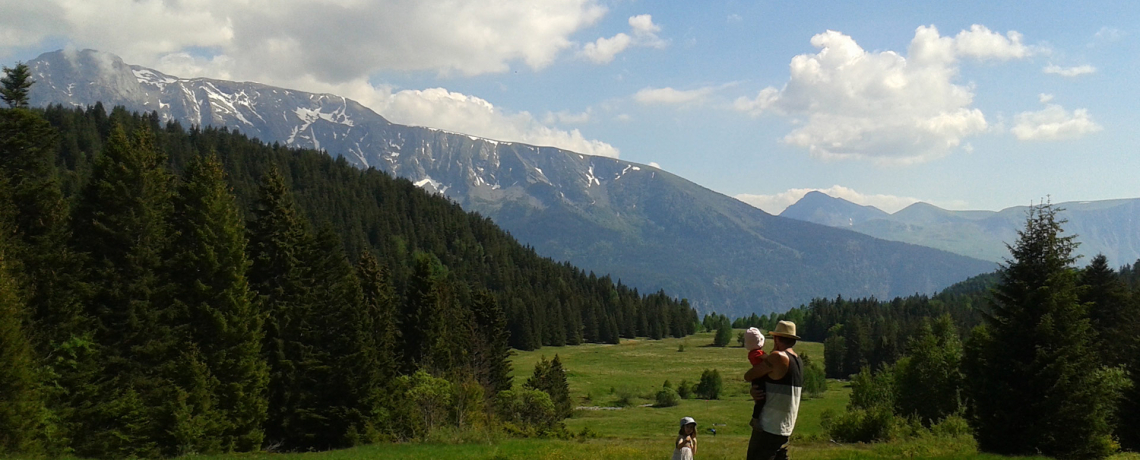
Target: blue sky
967	105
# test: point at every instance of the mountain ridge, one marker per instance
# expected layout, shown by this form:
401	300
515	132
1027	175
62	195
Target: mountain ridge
651	228
1102	227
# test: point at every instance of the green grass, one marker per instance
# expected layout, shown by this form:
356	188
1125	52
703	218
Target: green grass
636	433
599	374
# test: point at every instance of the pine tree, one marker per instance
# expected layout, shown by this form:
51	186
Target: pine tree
929	378
27	144
425	345
22	409
15	85
279	244
1035	380
215	305
1111	314
493	353
122	227
550	377
380	333
342	395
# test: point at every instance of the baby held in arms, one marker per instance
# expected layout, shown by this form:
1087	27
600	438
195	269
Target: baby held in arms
754	343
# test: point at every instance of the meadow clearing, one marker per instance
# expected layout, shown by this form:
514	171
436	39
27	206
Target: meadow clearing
599	375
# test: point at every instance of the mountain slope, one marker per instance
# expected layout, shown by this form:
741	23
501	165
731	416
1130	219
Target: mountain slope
646	226
1109	227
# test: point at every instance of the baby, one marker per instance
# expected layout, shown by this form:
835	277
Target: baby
754	343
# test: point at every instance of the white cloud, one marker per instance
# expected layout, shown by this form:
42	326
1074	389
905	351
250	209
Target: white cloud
654	164
670	96
1045	98
1069	71
775	204
981	43
331	46
451	111
603	50
568	118
849	103
1053	123
332	40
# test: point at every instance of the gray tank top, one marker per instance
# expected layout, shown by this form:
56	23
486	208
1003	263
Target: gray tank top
782	403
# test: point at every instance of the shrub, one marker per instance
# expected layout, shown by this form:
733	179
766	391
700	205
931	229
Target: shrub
530	411
952	426
710	386
870	390
667	397
723	335
859	425
685	389
815	380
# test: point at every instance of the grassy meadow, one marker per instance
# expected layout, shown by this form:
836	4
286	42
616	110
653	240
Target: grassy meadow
601	374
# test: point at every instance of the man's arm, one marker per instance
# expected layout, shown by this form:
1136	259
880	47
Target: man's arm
775	365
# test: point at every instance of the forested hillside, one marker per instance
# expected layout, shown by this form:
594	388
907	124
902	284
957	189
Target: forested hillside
167	291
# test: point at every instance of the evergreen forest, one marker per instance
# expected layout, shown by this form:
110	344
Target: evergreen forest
167	291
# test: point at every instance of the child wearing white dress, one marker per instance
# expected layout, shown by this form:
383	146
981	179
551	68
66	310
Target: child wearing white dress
686	445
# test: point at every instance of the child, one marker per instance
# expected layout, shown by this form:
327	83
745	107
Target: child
686	445
754	342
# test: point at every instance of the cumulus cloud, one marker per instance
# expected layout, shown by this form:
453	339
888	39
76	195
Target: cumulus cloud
849	103
451	111
1069	71
670	96
334	40
604	49
644	33
333	46
1053	123
775	204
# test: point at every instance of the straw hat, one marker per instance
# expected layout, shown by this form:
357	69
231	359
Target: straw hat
785	329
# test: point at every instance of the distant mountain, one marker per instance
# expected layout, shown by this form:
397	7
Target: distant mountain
822	209
1109	227
652	229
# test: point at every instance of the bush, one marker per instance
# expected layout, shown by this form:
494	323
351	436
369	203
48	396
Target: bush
529	410
871	390
860	425
685	390
710	386
667	397
815	380
723	335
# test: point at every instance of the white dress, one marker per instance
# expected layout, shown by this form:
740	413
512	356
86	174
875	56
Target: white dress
684	453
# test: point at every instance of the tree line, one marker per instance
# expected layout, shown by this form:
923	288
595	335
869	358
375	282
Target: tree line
166	291
1052	367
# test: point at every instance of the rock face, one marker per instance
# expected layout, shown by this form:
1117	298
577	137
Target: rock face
1109	227
652	229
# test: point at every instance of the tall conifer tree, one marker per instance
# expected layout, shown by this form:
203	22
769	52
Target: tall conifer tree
379	332
27	151
215	305
122	226
492	350
280	242
22	409
1036	382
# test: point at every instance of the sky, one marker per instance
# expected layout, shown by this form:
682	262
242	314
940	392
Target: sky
965	105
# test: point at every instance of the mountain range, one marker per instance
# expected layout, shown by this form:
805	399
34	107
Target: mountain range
1109	227
648	227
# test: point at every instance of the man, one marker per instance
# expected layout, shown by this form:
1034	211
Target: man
782	374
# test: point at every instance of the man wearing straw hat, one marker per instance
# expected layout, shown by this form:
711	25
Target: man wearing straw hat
782	374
